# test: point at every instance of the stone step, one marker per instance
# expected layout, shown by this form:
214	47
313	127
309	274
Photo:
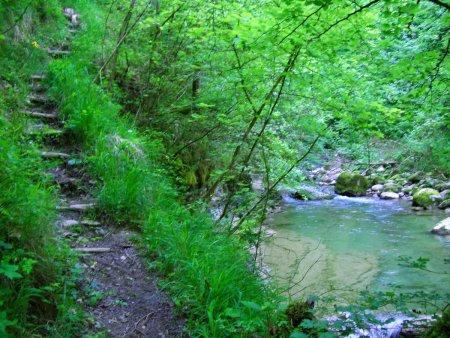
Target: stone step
68	12
38	115
54	155
77	207
37	87
74	19
57	54
71	222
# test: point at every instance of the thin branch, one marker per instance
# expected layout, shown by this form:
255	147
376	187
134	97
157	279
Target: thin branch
300	24
281	178
209	131
119	43
440	3
438	65
360	9
252	123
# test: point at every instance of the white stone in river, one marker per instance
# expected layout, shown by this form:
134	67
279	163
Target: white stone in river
442	228
389	195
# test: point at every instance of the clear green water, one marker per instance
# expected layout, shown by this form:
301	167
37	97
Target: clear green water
341	246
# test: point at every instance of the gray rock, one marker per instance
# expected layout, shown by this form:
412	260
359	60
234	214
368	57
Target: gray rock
444	205
445	194
389	195
442	228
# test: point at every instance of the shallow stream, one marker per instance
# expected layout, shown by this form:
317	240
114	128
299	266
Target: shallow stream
341	246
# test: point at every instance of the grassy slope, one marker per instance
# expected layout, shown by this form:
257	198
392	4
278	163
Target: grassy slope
206	272
37	271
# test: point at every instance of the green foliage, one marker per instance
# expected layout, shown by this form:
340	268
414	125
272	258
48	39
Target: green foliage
207	272
442	327
297	312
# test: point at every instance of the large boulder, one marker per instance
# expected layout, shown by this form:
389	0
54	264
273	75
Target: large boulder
426	198
350	184
442	228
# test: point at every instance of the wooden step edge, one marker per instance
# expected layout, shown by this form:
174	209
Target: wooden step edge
38	77
54	155
39	99
93	250
71	222
77	207
57	53
40	115
45	132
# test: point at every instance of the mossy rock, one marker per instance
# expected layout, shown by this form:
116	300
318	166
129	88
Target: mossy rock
426	198
302	194
349	184
392	187
377	179
415	178
310	193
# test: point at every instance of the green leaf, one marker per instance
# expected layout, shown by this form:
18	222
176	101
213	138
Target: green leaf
252	305
10	271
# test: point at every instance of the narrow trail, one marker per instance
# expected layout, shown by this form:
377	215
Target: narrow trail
120	293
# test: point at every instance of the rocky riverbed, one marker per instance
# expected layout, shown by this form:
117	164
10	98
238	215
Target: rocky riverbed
425	190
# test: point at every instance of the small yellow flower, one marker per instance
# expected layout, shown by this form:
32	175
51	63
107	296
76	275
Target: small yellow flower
35	44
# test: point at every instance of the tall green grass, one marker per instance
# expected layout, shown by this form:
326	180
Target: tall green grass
207	273
35	285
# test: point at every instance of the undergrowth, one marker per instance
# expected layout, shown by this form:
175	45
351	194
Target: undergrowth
206	272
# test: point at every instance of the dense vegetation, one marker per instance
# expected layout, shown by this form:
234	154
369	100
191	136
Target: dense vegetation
175	104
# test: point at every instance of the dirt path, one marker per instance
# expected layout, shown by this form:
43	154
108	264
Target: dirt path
129	303
118	292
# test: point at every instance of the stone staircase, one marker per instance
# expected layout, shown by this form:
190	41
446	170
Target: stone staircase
45	125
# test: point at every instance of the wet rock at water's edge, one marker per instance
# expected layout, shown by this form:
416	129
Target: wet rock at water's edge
442	228
307	192
389	195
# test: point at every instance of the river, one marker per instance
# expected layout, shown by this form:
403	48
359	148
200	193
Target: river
342	246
